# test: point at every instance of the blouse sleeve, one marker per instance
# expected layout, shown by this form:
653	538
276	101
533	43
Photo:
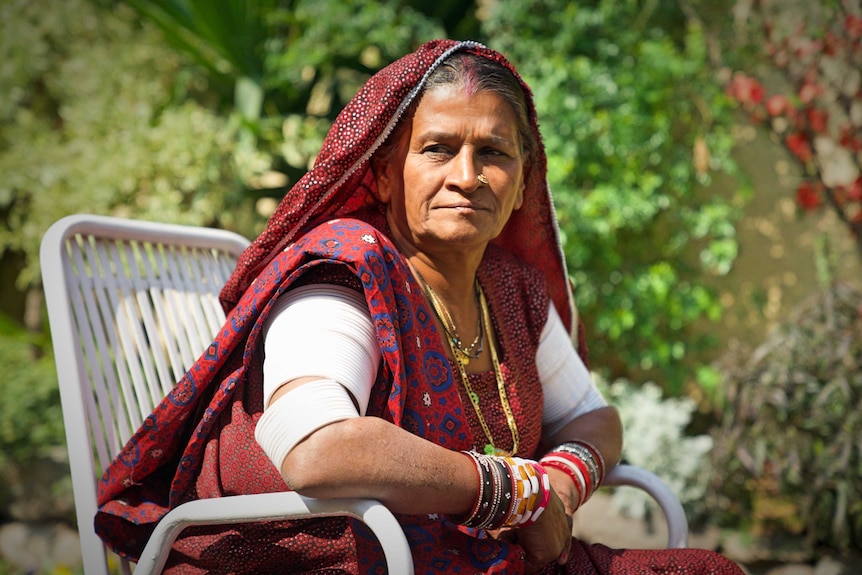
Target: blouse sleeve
568	388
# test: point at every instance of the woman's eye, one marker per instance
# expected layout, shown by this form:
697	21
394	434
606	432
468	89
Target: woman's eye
494	152
436	149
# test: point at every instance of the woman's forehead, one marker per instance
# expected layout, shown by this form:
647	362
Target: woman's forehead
454	111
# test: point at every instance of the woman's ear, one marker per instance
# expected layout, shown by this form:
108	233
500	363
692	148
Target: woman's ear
383	177
519	199
387	163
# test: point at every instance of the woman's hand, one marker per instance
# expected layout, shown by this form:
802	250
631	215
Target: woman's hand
565	488
548	539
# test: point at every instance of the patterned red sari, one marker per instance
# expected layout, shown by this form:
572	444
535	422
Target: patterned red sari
199	442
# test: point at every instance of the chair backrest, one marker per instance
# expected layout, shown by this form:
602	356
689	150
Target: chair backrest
131	305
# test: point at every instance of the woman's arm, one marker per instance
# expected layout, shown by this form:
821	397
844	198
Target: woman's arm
574	409
371	457
321	347
351	456
601	427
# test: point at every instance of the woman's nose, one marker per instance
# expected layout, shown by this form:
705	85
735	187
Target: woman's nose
464	171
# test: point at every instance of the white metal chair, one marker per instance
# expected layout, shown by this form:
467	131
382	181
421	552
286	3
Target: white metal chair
131	305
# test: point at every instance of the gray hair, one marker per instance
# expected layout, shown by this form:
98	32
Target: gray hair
477	74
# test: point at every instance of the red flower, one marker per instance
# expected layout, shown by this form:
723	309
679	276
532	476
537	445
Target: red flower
849	140
808	92
745	89
756	92
777	105
817	119
854	190
807	196
832	44
853	25
798	145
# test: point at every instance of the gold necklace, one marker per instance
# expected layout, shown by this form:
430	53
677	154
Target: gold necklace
490	448
485	323
462	355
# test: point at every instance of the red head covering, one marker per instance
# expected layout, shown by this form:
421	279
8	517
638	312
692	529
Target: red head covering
334	187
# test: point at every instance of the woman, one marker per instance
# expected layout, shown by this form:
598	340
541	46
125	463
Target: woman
387	338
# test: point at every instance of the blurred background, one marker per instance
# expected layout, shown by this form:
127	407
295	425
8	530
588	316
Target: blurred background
705	162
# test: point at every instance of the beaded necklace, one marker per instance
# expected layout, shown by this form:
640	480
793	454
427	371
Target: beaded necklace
462	359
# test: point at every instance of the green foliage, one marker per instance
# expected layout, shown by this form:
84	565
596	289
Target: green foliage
153	136
95	116
789	443
8	568
315	63
635	127
31	422
226	37
656	439
292	66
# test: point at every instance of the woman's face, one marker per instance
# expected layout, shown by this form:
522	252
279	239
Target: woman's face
435	200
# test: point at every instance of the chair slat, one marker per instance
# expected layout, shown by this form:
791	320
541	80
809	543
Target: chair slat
100	363
212	275
177	313
154	354
133	373
189	277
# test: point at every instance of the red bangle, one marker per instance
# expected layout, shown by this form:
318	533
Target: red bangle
575	468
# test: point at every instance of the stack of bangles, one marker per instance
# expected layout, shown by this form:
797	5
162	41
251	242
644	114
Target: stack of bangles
582	462
513	492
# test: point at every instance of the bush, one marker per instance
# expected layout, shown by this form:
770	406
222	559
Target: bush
33	460
31	423
97	116
789	445
655	439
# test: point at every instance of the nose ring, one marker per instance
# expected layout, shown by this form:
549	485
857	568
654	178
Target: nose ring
482	179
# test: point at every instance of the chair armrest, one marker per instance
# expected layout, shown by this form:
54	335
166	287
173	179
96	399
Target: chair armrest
677	524
274	506
291	505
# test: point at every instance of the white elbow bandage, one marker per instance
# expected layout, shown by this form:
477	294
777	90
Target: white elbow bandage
321	331
299	412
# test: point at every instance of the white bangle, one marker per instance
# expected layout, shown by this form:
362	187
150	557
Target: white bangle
298	413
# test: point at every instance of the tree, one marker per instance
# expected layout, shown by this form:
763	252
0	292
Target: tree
294	64
97	115
814	103
635	126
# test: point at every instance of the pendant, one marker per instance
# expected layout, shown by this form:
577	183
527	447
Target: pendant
461	357
491	450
